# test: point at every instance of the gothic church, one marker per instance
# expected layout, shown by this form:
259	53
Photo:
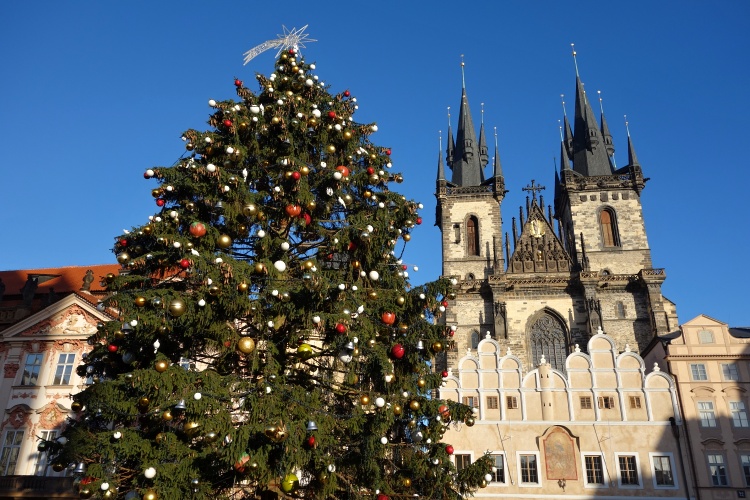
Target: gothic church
566	270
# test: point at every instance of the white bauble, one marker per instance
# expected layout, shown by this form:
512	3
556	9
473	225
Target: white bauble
211	167
384	440
211	103
285	246
150	473
374	275
379	402
280	266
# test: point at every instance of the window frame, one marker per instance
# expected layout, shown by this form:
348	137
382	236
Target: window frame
730	372
635	402
511	402
706	337
6	459
589	404
709	421
42	463
744	457
64	369
605	402
39	356
670	457
473	243
537	461
462	455
610	236
493	402
585	469
715	453
504	482
698	372
738	414
637	468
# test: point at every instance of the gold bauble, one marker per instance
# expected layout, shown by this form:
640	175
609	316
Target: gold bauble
109	278
374	178
355	264
311	205
397	409
160	438
242	229
368	194
189	146
150	495
470	422
347	134
407	237
364	399
191	428
75	406
276	433
331	148
305	351
246	345
211	437
58	467
161	366
400	301
371	343
214	290
403	327
304	170
140	301
437	346
177	308
123	257
167	415
85	492
156	192
143	401
243	287
483	484
147	230
250	209
109	494
355	352
309	264
421	383
406	482
224	241
275	119
414	404
373	295
260	268
311	122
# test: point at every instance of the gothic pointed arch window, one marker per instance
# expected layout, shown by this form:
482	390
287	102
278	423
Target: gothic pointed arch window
608	227
547	338
472	236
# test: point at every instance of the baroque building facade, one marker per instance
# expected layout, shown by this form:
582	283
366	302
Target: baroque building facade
550	319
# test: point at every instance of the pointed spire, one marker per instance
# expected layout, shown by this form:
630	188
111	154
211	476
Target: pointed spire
632	158
467	159
589	153
605	129
483	157
497	167
451	144
568	134
441	168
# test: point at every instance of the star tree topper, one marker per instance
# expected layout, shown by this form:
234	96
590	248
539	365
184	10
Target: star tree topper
294	38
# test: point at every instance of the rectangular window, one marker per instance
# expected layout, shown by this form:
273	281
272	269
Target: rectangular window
585	402
472	401
492	403
462	461
698	371
739	415
606	402
729	371
529	472
31	369
628	470
9	454
706	337
64	369
498	469
635	402
717	469
594	469
745	459
707	414
511	402
41	466
663	471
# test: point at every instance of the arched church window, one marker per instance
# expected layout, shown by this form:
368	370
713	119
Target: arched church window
608	226
472	235
547	338
474	339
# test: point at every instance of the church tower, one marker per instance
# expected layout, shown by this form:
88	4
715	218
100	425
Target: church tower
469	217
561	275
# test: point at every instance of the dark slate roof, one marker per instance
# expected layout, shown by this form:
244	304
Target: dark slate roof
466	159
589	148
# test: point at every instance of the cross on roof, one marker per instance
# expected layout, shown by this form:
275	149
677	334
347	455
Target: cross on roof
533	188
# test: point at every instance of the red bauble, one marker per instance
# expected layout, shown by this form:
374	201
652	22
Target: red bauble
332	114
310	442
146	176
340	327
346	93
307	218
227	123
444	373
296	176
449	450
352	246
419	220
451	333
112	348
344	170
123	242
370	170
293	210
403	266
383	497
398	351
198	229
388	318
160	202
388	152
238	83
445	303
184	263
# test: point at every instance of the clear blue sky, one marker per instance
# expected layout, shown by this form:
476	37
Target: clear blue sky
94	93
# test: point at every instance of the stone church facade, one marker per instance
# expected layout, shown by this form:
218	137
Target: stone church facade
549	321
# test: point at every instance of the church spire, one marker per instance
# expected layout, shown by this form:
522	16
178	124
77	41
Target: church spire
467	160
605	129
497	167
632	158
483	157
451	144
589	151
441	168
567	138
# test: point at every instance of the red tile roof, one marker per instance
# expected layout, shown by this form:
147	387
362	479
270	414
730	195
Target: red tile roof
62	279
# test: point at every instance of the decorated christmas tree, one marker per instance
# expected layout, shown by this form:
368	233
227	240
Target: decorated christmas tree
268	343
